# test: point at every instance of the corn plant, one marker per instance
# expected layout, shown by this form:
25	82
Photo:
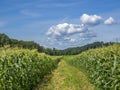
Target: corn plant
22	69
101	65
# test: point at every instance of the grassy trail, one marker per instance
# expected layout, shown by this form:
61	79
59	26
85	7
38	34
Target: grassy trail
66	77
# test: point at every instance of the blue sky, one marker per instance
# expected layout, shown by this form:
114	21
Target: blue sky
61	23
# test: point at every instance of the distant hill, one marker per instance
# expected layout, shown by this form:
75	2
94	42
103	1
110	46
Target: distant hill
77	50
5	40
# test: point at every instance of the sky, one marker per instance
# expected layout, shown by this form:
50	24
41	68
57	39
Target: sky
61	23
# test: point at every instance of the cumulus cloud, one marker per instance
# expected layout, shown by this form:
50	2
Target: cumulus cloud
69	34
66	29
91	20
75	34
70	39
109	21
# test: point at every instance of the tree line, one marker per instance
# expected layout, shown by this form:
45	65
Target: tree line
5	40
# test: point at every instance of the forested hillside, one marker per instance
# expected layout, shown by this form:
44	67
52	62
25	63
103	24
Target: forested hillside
5	40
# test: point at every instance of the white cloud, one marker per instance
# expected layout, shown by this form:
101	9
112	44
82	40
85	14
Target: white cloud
70	39
30	13
2	23
75	34
109	21
68	34
51	5
66	29
91	20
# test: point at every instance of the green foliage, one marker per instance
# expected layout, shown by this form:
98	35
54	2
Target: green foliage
5	40
77	50
22	69
101	65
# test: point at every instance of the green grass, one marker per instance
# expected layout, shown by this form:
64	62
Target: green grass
66	77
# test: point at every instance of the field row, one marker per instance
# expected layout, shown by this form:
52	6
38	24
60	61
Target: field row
23	69
101	65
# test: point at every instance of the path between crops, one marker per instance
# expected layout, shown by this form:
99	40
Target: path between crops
66	77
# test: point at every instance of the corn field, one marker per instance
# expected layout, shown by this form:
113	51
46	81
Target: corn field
101	65
22	69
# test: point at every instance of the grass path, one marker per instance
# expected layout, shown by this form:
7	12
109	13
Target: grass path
66	77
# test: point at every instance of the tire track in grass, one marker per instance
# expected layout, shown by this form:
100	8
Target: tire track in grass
67	77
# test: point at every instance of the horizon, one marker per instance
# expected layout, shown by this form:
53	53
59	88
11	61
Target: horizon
61	24
63	48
